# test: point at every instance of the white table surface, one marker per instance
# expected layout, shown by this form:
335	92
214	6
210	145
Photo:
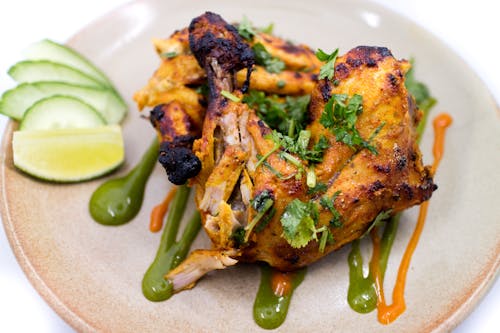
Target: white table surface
471	28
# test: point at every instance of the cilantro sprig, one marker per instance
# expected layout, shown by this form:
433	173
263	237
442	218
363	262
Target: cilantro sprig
328	69
340	116
299	222
265	59
248	31
328	203
300	145
288	116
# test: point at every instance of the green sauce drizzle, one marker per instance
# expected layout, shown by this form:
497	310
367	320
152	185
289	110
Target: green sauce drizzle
117	201
170	253
361	294
270	310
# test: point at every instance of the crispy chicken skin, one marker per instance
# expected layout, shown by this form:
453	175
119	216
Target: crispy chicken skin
233	138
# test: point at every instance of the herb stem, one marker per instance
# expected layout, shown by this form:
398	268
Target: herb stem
292	159
267	205
311	178
263	158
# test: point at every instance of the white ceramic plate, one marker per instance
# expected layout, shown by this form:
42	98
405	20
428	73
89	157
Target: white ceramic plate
91	274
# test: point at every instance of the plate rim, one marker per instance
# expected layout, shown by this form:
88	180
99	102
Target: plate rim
449	320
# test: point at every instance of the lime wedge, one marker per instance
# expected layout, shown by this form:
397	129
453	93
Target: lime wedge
68	155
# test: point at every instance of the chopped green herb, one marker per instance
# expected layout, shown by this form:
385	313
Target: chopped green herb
265	220
268	30
259	201
230	96
326	237
262	160
299	225
311	178
264	58
288	116
238	236
245	29
281	84
319	188
341	119
328	203
168	55
203	90
381	218
298	222
328	69
299	146
262	203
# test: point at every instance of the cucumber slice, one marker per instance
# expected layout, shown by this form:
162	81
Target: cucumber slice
58	112
50	50
16	101
44	70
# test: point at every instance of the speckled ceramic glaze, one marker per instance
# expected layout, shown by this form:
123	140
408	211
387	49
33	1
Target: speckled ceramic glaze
91	274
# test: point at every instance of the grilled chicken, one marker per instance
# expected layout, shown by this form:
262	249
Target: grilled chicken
360	183
176	93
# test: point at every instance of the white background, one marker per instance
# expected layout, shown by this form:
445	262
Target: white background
471	28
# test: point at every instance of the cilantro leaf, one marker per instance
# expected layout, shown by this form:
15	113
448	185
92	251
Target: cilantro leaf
300	145
328	203
328	69
319	188
340	116
264	58
298	222
381	217
246	30
267	30
285	116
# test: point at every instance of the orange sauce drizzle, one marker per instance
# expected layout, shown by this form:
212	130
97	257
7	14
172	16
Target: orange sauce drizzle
159	211
281	283
387	313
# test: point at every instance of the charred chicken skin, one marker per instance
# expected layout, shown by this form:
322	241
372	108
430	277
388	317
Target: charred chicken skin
254	197
176	92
